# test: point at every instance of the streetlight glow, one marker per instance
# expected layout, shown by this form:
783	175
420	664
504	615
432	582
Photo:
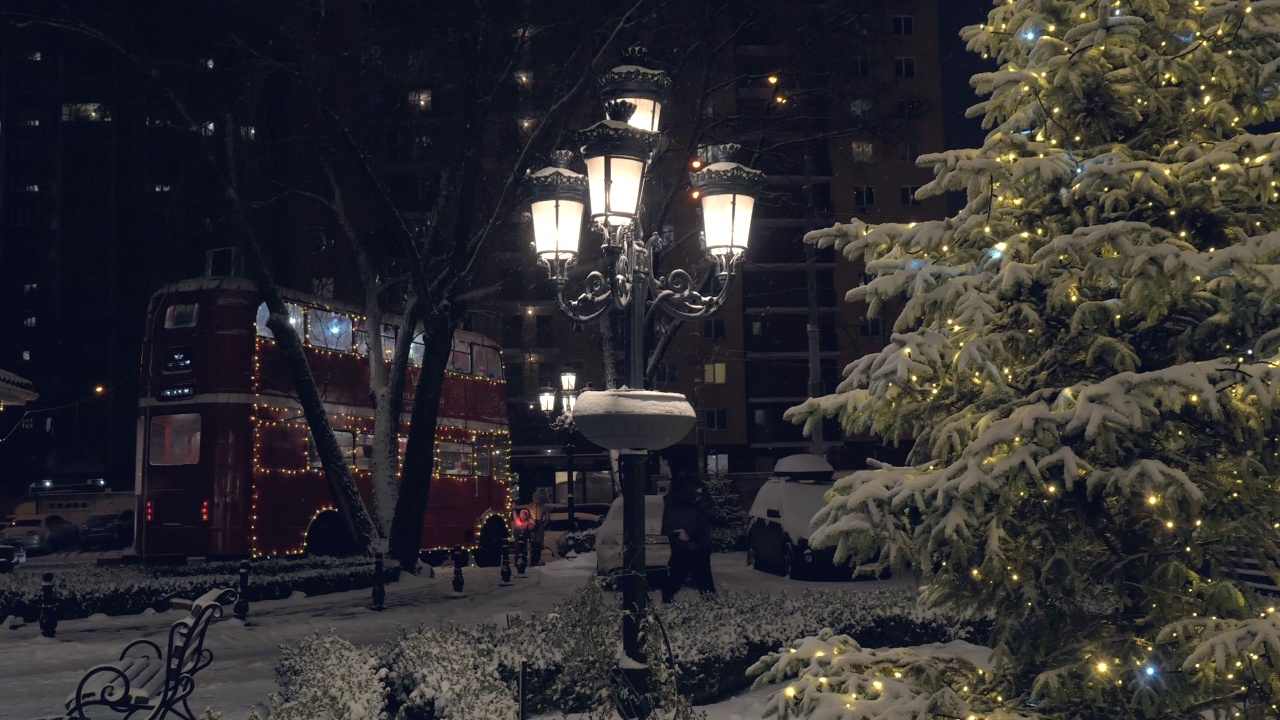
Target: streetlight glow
547	399
616	155
728	191
642	86
568	379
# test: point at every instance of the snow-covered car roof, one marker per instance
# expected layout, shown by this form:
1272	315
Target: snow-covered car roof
804	466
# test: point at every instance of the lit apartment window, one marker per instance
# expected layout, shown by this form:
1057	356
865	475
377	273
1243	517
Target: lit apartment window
28	288
420	100
161	188
714	373
33	123
30	321
31	187
864	151
908	150
757	328
717	463
207	63
84	112
26	354
864	195
903	25
904	66
909	194
761	416
248	132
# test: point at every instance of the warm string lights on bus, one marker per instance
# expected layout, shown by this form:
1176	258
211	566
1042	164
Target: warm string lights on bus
362	424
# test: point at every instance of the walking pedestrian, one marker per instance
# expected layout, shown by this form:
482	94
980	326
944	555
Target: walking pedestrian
686	520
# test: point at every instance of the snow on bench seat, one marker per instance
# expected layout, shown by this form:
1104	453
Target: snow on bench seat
146	678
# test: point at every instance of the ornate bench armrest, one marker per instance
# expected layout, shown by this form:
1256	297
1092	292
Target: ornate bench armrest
154	648
103	685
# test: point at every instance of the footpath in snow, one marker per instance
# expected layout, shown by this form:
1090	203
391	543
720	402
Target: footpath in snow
37	674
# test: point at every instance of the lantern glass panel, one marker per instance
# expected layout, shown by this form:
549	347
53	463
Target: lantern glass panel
568	379
617	202
557	225
547	400
646	115
727	222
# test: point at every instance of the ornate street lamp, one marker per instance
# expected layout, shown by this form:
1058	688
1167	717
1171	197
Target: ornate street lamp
557	197
563	425
547	400
638	84
617	151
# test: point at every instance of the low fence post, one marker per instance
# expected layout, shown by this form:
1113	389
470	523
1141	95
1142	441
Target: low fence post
522	555
506	561
48	613
379	592
524	679
459	560
241	609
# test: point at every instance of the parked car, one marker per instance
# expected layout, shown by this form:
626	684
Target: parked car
124	528
98	531
778	532
40	532
657	547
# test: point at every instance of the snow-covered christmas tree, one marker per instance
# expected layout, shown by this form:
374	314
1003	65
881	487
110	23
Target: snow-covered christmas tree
1086	363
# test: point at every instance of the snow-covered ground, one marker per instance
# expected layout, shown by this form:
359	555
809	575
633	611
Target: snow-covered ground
37	674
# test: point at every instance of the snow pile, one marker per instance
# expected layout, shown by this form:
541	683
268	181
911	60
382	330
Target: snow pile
625	401
578	542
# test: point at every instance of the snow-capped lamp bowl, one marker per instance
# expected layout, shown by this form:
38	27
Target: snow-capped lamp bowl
625	419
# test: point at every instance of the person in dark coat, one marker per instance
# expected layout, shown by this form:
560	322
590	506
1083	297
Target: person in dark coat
686	520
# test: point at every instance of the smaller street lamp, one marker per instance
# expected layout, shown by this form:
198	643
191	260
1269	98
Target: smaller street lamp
563	424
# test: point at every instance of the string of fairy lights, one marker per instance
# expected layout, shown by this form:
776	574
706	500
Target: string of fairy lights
268	420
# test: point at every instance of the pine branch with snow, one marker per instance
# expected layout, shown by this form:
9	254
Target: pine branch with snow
1085	359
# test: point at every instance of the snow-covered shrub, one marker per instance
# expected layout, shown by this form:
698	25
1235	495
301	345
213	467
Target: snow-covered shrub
448	673
325	677
699	649
84	590
729	526
578	542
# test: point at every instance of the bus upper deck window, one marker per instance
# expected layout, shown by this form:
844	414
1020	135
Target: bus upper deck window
182	315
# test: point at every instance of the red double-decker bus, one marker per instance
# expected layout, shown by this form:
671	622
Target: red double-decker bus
226	465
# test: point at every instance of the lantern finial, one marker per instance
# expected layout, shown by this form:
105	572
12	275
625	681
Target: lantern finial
620	110
724	152
561	158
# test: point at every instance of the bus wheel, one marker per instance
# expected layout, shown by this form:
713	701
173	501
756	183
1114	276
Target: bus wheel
328	535
492	533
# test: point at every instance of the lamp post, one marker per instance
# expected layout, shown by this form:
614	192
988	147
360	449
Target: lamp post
562	423
617	151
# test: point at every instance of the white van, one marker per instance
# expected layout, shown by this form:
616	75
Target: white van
778	532
657	547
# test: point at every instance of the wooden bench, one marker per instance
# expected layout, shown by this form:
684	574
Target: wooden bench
148	683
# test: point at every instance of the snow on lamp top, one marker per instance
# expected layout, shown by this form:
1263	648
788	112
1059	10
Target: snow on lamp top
625	419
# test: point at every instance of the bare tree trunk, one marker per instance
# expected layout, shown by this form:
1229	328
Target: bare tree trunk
419	456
